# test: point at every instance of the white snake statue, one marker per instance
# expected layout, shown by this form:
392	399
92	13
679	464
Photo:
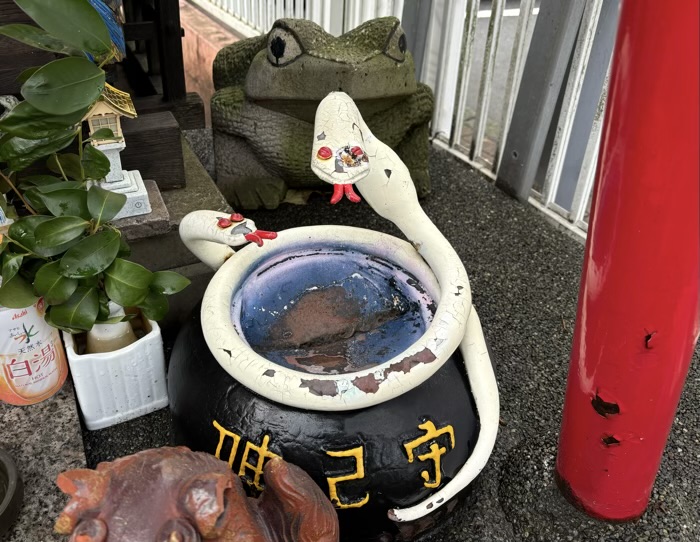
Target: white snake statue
346	153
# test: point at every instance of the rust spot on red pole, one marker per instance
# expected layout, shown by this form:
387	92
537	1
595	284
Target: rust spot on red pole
604	408
649	340
610	440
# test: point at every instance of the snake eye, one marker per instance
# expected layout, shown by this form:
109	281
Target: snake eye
356	151
282	47
397	45
324	153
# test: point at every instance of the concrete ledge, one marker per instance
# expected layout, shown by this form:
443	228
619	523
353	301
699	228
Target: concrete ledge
44	440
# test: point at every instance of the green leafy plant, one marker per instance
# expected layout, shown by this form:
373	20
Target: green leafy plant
61	245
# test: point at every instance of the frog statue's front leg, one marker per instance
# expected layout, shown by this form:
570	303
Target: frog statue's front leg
248	164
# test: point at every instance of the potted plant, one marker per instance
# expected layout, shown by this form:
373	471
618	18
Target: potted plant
62	246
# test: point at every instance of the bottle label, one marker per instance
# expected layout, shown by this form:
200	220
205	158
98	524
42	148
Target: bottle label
32	360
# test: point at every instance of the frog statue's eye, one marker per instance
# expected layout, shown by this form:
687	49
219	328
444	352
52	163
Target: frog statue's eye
283	47
396	46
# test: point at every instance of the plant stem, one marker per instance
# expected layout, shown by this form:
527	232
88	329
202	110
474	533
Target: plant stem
110	57
14	188
29	251
60	167
80	152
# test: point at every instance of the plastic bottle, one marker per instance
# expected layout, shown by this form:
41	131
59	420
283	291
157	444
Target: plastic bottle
32	359
110	337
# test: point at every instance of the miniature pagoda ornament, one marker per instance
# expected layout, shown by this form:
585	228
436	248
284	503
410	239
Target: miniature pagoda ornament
106	113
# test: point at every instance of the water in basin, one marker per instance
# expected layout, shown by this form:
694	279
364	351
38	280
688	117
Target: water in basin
330	311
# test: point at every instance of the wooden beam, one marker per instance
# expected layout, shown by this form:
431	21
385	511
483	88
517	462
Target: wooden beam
167	14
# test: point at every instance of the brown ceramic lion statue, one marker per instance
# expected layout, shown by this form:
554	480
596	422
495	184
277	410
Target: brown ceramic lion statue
176	495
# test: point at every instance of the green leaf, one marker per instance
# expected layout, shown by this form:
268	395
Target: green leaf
103	312
36	37
23	229
59	230
11	263
74	21
26	74
64	86
168	282
79	311
102	133
127	282
69	163
95	163
91	255
48	320
25	120
103	204
60	185
17	293
38	180
92	281
67	202
124	248
20	153
33	196
116	319
52	286
4	186
30	267
155	306
8	210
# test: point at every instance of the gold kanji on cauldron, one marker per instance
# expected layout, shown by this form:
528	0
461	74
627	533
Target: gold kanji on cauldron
436	452
257	467
358	455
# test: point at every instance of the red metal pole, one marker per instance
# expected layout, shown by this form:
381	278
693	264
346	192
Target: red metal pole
638	312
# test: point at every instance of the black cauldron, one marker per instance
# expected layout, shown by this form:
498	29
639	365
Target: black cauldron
368	461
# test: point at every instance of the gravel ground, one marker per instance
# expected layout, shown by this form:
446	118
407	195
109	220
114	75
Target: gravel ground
525	275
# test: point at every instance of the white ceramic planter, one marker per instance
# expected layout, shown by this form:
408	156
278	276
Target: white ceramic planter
118	386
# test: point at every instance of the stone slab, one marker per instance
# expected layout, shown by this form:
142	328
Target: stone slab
44	440
200	192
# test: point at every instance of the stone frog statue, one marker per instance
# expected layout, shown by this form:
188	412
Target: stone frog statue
176	495
268	89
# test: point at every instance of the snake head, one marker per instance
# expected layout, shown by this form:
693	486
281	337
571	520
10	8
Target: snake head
242	229
338	154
